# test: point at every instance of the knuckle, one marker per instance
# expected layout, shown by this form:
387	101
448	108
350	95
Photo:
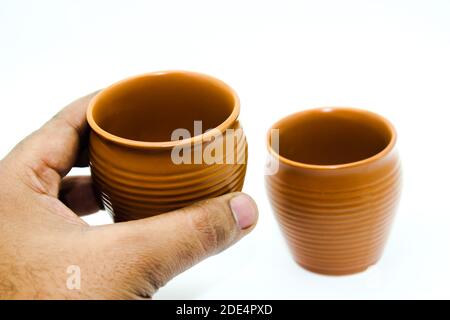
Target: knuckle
210	227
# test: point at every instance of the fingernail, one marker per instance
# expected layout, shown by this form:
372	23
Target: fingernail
244	211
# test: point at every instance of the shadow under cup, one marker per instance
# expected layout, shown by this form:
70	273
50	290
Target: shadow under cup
336	188
147	140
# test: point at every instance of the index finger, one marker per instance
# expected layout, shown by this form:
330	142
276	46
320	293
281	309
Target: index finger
49	153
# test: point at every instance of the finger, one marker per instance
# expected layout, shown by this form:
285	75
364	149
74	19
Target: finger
48	154
156	249
79	194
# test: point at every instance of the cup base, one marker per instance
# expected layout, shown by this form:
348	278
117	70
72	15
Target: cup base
335	272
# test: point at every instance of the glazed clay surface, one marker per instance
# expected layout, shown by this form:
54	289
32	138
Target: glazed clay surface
337	187
131	145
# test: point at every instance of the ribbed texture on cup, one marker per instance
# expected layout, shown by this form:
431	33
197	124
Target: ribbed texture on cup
129	193
339	231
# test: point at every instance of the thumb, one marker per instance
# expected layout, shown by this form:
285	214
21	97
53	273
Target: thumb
156	249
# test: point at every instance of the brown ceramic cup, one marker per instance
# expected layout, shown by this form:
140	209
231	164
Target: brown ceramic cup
140	168
336	186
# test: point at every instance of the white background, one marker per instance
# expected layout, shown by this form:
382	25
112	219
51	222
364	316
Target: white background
391	57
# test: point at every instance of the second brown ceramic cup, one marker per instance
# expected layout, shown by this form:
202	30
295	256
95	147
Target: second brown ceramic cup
138	166
336	186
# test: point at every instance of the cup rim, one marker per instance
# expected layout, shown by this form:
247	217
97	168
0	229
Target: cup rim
370	159
206	136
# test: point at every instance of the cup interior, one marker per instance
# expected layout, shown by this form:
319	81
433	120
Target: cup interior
332	136
149	108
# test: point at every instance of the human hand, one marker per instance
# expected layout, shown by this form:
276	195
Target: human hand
42	234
